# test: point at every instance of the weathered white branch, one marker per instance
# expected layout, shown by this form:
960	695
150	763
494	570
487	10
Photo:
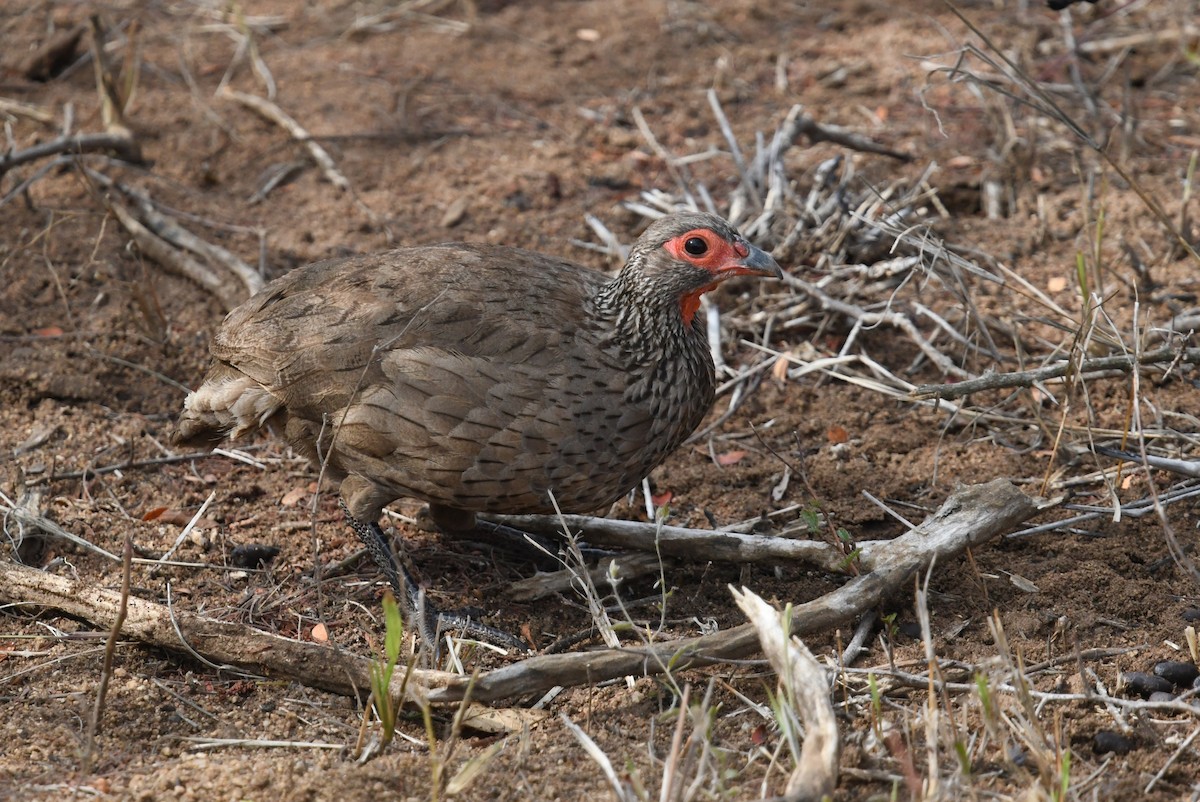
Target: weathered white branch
971	516
807	689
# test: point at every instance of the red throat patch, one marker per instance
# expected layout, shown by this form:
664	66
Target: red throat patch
688	305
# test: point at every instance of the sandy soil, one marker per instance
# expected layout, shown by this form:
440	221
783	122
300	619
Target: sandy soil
508	122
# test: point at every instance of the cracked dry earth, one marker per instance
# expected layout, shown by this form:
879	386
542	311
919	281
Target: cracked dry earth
508	122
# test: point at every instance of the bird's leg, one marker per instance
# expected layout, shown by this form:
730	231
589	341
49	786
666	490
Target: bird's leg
429	620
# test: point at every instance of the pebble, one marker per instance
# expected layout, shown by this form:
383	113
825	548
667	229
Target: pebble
1176	672
1108	741
455	213
1162	696
1143	684
1192	614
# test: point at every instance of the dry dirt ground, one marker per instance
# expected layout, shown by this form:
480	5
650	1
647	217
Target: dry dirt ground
509	122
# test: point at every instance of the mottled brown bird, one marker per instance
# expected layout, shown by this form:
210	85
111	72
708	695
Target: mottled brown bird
474	377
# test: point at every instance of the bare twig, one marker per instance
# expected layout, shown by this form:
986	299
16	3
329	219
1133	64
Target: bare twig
547	584
120	145
272	113
110	648
807	689
696	544
170	231
128	464
176	261
1027	378
800	124
224	642
970	517
863	318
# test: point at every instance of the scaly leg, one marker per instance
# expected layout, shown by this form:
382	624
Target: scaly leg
430	621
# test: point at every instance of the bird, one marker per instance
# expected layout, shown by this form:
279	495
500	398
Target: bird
477	378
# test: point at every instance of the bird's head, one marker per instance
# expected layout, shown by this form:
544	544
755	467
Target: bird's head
684	255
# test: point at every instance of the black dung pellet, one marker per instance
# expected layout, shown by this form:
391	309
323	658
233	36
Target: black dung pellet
1176	672
1108	741
1142	684
252	555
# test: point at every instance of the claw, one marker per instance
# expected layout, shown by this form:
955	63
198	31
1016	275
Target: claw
429	621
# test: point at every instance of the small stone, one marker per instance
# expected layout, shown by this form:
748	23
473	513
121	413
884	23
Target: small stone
1192	614
1162	696
1107	741
1177	672
455	213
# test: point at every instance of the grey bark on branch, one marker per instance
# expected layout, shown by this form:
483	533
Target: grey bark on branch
229	644
971	516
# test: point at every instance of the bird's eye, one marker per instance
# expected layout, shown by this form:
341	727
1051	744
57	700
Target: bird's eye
695	246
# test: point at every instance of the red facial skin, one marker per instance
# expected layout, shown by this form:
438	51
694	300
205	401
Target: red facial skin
722	258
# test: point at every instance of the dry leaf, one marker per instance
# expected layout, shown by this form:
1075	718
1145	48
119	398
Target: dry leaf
730	458
49	331
293	496
320	634
662	499
154	513
1023	584
183	518
837	435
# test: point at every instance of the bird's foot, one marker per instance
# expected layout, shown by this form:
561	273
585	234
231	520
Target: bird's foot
429	621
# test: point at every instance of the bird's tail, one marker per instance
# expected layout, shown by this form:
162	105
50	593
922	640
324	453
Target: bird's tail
227	404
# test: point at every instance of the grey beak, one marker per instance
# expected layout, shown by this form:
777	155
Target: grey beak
760	262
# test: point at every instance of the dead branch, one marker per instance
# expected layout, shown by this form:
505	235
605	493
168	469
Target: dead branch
697	544
175	260
971	516
541	585
800	124
1027	378
30	110
229	644
169	230
806	688
118	144
1184	467
272	113
862	318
